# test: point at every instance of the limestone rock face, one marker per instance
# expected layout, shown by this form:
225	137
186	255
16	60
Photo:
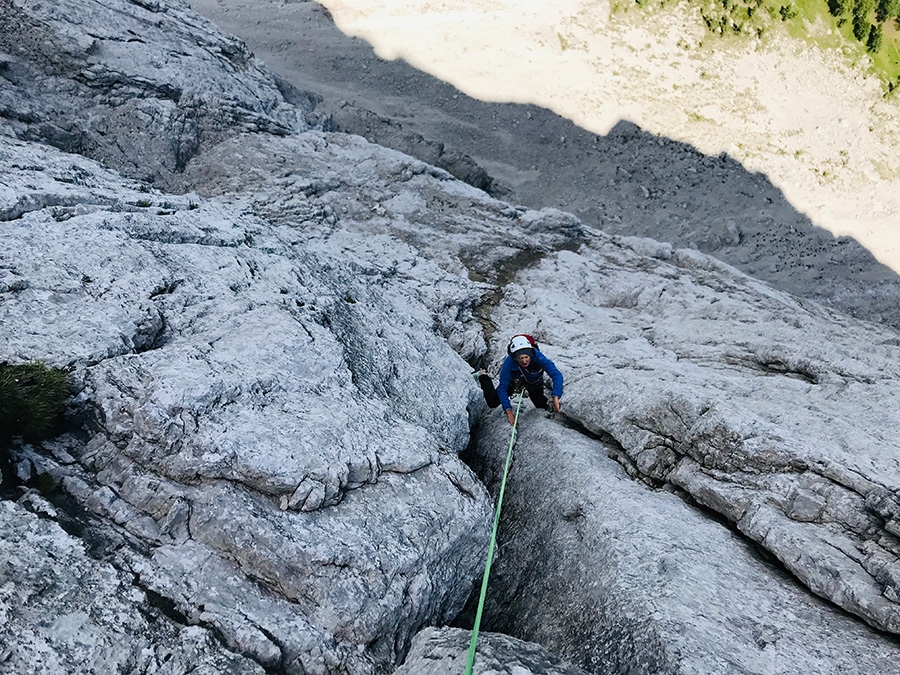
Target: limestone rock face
381	130
140	86
618	578
444	651
765	409
271	362
63	612
256	425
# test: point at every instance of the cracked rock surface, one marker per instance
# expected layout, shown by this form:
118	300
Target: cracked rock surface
617	578
153	83
766	409
270	347
63	612
444	651
239	428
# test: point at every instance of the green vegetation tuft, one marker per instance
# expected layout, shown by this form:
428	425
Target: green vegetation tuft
32	399
857	27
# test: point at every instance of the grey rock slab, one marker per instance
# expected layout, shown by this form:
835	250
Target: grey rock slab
64	612
768	409
242	387
141	87
325	584
340	587
617	577
273	376
444	651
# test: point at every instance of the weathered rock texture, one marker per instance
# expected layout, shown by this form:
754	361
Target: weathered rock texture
444	651
621	579
254	418
260	450
141	86
271	363
765	409
64	612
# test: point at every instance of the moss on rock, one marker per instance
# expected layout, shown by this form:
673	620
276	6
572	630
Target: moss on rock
32	398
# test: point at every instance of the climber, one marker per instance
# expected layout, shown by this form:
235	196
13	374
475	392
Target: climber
524	367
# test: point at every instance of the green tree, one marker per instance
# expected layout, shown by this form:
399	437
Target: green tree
838	7
860	28
873	43
787	12
887	9
861	11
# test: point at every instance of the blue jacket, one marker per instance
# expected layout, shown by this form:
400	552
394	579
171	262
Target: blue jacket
533	375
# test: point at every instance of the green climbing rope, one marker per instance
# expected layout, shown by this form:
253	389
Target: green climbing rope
470	661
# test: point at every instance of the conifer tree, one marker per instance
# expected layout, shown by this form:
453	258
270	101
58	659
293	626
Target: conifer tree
839	7
873	43
887	9
861	11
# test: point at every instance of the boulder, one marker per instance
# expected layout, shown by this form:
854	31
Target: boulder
444	651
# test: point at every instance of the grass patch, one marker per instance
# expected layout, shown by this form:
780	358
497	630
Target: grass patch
32	399
866	31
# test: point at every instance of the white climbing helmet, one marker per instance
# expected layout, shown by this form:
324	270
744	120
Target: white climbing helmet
519	343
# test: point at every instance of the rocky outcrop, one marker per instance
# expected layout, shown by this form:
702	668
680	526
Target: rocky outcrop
140	86
64	612
271	363
627	181
762	408
243	418
381	130
444	651
619	578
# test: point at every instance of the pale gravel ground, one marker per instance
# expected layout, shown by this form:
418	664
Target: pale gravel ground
818	129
